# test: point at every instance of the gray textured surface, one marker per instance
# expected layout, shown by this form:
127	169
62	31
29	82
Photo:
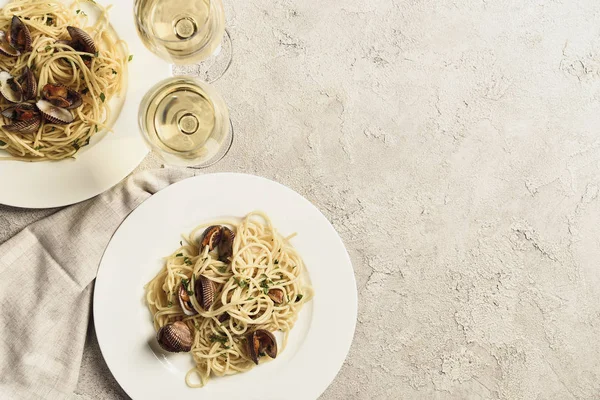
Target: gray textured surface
455	147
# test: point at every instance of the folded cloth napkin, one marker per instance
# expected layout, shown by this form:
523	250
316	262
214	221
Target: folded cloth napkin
46	279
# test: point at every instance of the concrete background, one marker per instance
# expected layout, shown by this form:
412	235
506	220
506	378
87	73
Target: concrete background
454	145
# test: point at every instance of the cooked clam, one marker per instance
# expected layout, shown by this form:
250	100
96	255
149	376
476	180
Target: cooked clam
53	114
184	301
25	118
6	48
205	290
20	112
226	244
175	337
81	40
220	237
26	126
10	88
261	342
62	96
212	237
28	84
276	295
20	37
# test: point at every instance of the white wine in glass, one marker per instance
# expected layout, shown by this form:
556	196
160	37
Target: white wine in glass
186	122
185	32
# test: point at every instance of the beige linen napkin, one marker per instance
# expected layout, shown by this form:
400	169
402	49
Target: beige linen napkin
46	279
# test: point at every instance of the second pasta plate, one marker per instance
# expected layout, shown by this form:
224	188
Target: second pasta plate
147	248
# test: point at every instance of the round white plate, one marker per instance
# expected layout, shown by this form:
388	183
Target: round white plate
319	342
111	156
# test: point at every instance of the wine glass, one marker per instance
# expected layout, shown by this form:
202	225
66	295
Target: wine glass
186	32
186	122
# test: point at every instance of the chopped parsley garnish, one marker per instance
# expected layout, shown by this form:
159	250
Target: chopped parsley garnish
276	262
2	143
241	282
49	21
76	145
48	48
181	243
96	54
170	304
179	255
102	97
187	261
299	297
218	338
114	72
264	284
222	269
37	148
130	57
186	286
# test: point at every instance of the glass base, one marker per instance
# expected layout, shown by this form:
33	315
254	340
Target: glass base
213	67
225	147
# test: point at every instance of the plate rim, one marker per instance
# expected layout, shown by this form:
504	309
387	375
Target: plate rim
353	304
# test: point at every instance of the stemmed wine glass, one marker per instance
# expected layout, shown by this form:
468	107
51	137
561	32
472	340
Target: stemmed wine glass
186	32
184	119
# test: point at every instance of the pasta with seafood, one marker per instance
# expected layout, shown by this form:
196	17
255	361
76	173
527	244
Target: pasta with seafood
57	78
223	294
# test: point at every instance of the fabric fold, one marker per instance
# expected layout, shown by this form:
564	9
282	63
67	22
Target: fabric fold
46	282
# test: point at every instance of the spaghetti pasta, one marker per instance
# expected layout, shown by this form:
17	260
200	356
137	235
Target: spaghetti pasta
263	263
54	61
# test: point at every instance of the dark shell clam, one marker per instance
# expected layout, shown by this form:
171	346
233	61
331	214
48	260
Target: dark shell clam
184	301
226	244
212	237
27	126
62	96
261	342
205	291
6	48
20	112
20	37
53	114
10	88
25	118
176	337
81	40
220	237
28	84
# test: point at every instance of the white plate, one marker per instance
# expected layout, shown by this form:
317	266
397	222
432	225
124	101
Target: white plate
111	156
319	342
